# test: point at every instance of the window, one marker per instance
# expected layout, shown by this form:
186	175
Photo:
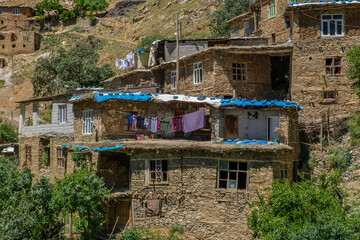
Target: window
236	30
28	154
126	122
329	94
333	66
24	46
272	11
16	11
87	122
249	27
232	175
1	12
26	38
60	158
273	38
332	25
197	73
13	46
173	80
239	71
283	171
3	46
62	114
158	171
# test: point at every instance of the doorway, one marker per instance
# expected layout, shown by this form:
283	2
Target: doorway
273	122
280	73
118	212
231	127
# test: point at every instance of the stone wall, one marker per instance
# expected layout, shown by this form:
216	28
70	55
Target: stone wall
138	78
19	42
185	47
14	22
308	67
217	75
191	197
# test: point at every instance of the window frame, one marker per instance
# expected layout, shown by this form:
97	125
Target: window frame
197	73
61	158
283	171
62	111
237	30
173	83
242	68
237	176
16	11
333	66
87	122
322	21
28	154
151	180
272	9
1	12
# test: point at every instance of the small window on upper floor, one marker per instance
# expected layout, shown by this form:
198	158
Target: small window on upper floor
236	30
61	157
158	171
28	157
239	71
173	84
332	25
1	12
87	122
333	66
197	74
16	11
62	114
272	9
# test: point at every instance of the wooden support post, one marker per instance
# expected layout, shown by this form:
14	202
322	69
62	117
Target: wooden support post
328	126
70	227
177	50
321	134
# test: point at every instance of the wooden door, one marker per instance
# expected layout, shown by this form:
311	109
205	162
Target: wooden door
231	127
123	212
273	122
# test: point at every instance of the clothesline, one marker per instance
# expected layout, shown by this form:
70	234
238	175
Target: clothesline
129	60
186	123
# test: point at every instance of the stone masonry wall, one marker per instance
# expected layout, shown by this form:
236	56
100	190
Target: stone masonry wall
18	42
217	77
308	67
192	198
139	79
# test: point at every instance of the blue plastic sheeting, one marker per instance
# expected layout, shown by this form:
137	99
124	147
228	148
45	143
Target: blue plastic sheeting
94	149
255	103
107	148
118	140
259	142
100	97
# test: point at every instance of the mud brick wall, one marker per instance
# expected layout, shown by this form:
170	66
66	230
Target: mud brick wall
192	198
217	77
139	79
308	67
14	22
19	42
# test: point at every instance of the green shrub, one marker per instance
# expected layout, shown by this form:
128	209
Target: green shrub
8	132
148	40
47	5
339	158
68	15
45	160
2	83
177	228
354	127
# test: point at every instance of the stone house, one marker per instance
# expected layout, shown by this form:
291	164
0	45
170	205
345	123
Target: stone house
193	179
16	36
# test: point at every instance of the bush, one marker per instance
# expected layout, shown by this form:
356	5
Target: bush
354	127
338	159
148	40
47	5
8	133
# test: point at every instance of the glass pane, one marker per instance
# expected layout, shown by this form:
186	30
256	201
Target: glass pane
325	28
232	175
238	65
326	17
222	184
239	71
224	165
328	70
152	176
244	77
233	165
164	165
223	175
234	71
242	180
242	166
337	71
152	165
337	16
232	184
164	176
234	65
234	77
339	28
332	28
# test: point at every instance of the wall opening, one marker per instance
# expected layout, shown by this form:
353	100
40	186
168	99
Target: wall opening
280	74
114	168
2	37
117	211
13	37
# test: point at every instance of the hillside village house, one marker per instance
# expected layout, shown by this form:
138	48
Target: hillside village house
166	177
16	36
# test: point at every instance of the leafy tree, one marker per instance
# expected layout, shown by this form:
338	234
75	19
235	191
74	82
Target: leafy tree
354	68
227	10
89	6
354	127
82	193
68	70
310	209
8	133
47	5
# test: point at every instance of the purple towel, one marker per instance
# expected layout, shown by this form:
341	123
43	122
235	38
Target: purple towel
193	121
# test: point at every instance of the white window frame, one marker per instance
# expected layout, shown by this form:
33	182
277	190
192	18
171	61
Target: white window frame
197	73
236	171
16	11
327	21
173	83
87	124
272	9
62	113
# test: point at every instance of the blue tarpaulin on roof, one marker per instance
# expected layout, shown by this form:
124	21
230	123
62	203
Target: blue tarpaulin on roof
255	103
100	97
259	142
107	148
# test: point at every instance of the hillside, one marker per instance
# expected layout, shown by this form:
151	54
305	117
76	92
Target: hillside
116	34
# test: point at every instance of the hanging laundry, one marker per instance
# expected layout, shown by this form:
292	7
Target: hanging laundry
146	122
165	124
131	59
130	119
134	123
193	121
177	123
154	125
